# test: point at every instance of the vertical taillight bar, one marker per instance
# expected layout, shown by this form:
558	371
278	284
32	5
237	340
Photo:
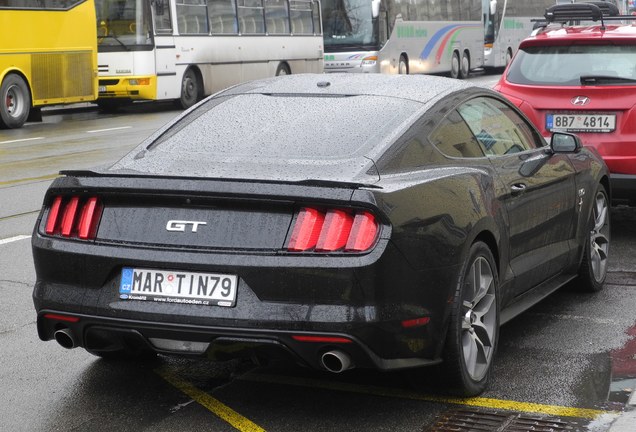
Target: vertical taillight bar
54	212
89	219
69	216
335	231
363	232
306	230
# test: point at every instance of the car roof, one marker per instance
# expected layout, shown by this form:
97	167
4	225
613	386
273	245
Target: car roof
555	34
419	88
205	140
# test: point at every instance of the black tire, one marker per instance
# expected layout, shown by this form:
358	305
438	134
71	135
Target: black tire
403	66
593	270
455	66
283	69
16	102
191	90
508	57
464	66
473	331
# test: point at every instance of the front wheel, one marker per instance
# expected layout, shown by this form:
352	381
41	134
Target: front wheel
593	268
473	330
15	102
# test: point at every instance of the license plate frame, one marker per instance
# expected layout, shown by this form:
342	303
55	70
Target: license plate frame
178	287
581	122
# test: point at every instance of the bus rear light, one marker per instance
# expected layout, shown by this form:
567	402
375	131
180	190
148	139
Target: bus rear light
74	217
333	230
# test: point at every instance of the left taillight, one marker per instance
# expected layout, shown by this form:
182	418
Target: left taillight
333	230
74	217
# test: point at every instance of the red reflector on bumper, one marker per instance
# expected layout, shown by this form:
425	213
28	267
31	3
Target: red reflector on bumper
323	339
57	317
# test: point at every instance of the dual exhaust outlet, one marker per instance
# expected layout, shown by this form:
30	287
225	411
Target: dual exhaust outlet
334	361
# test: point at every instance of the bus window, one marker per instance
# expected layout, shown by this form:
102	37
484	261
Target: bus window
250	15
276	17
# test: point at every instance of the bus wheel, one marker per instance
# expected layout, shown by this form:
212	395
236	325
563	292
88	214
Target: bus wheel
508	56
464	69
190	89
403	66
15	102
283	69
454	72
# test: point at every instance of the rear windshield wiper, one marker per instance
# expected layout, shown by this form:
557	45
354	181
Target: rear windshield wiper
604	79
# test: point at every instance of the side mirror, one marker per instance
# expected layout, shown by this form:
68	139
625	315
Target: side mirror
562	142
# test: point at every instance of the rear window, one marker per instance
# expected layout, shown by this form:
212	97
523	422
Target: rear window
288	127
564	65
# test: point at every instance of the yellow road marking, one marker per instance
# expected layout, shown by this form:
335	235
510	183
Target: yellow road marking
526	407
221	410
11	182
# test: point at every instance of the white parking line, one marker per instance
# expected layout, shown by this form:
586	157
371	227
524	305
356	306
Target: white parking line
108	130
21	140
14	239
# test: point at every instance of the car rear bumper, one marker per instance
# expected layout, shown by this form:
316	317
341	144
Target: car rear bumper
102	335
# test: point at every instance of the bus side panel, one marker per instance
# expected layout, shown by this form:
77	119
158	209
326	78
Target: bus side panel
56	52
166	61
430	45
221	60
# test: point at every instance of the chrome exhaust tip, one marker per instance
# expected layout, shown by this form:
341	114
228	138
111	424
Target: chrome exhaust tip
65	338
336	361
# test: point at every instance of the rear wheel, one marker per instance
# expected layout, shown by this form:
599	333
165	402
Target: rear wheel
454	72
403	66
593	268
508	56
15	102
283	69
474	324
191	89
464	67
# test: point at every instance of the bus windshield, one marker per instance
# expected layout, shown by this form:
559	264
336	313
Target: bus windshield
123	25
348	23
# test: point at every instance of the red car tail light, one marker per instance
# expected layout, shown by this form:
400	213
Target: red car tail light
74	217
333	230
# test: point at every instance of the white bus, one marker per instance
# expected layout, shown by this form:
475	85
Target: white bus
507	23
187	49
403	36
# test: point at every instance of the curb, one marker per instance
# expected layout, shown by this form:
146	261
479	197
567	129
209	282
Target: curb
627	420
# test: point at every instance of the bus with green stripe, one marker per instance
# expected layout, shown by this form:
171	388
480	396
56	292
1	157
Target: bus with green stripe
403	36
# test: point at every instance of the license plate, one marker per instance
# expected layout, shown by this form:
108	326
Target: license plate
166	286
581	122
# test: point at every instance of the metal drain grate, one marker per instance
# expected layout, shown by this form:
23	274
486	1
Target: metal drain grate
467	420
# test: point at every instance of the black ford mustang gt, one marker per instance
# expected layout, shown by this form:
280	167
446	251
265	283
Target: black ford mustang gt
364	221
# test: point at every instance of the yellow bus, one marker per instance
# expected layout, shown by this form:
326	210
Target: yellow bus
48	56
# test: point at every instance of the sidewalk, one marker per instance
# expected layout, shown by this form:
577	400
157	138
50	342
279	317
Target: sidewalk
627	421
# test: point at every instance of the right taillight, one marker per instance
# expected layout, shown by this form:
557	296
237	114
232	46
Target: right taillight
333	230
74	217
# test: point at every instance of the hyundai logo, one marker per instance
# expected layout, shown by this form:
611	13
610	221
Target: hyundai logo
580	100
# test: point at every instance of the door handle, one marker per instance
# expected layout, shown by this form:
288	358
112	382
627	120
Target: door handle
518	188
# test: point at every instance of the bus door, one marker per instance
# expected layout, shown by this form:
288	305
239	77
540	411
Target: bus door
165	51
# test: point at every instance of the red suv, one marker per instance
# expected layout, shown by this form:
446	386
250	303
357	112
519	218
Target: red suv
581	78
